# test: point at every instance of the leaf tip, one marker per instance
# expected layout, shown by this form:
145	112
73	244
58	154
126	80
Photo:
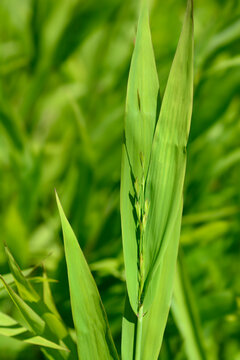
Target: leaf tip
60	209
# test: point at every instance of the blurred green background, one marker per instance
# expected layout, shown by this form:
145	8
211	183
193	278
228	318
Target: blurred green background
63	74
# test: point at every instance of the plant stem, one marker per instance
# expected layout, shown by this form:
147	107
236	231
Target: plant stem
139	334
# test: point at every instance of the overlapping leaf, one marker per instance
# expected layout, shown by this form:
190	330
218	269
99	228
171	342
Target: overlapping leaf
154	321
168	158
25	289
166	161
38	324
10	327
140	120
33	321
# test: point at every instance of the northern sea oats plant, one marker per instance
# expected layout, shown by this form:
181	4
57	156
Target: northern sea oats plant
153	170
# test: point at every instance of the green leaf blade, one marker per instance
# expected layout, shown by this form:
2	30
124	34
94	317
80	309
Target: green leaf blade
94	339
41	341
25	289
164	195
168	158
155	319
140	119
34	322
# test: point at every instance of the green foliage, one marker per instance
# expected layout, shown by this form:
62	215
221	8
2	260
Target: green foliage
62	105
37	324
154	183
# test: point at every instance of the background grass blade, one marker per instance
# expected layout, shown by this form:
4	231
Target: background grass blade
39	316
25	289
94	339
40	341
10	327
140	120
48	297
33	321
186	314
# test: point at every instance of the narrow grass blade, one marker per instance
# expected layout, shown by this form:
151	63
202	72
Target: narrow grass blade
11	332
10	327
40	341
6	320
47	296
9	279
140	120
166	174
34	323
19	333
94	339
186	314
33	308
25	289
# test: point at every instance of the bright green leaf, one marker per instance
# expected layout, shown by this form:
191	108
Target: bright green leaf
6	320
94	339
38	340
154	321
25	289
33	321
140	120
10	332
166	174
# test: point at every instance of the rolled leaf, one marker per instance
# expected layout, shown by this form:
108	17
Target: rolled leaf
140	120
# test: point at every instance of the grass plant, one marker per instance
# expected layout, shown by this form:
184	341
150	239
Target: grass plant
61	122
